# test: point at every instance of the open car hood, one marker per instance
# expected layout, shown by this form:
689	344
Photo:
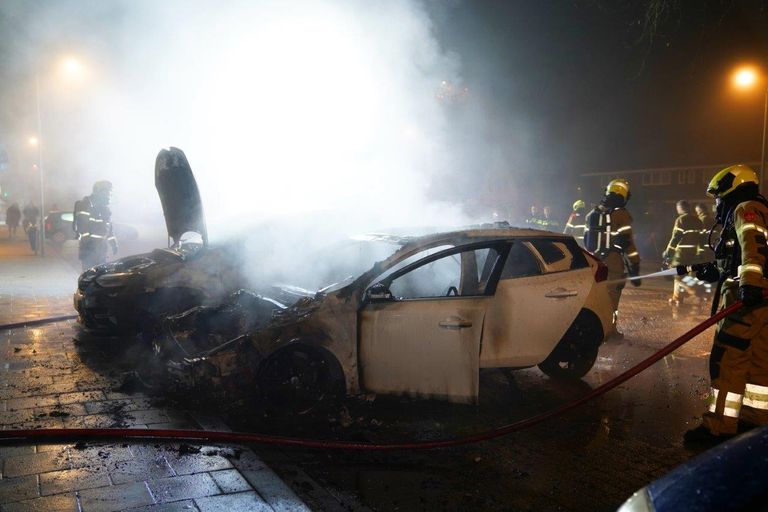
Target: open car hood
176	185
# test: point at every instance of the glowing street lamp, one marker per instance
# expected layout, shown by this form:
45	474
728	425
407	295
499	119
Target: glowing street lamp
70	69
747	78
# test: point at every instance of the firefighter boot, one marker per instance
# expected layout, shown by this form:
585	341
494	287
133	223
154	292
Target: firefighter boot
701	438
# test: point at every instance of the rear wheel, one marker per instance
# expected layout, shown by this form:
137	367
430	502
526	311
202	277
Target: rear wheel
576	353
299	380
58	237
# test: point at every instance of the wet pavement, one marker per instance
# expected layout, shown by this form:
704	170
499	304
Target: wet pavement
53	377
592	458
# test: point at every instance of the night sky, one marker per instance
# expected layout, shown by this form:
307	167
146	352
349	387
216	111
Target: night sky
600	93
557	88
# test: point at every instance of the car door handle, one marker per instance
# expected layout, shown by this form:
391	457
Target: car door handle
561	293
454	323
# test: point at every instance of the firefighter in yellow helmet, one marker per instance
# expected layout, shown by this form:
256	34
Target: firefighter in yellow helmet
576	224
683	247
738	363
609	236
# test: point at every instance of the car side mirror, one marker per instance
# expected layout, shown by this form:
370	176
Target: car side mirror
378	292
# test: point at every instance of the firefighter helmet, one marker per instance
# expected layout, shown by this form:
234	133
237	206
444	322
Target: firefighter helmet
618	186
102	186
731	178
579	205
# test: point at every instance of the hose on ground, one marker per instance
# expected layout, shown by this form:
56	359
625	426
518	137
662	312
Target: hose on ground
213	437
39	321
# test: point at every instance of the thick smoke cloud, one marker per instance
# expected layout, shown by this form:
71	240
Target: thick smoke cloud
326	114
281	107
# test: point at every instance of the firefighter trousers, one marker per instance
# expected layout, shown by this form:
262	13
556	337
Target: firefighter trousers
615	263
738	368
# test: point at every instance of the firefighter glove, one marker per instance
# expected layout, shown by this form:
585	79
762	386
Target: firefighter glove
750	295
634	271
708	272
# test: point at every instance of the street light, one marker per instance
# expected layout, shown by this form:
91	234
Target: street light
748	77
70	68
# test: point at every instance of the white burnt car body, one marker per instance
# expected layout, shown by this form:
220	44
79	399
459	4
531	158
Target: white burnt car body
421	322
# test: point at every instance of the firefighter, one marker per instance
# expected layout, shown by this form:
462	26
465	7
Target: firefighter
93	225
738	363
535	219
609	236
708	223
547	222
575	225
682	247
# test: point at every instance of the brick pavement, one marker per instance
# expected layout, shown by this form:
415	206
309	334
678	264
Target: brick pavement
50	379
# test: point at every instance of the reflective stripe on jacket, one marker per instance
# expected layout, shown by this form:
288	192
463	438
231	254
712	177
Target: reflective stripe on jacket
611	230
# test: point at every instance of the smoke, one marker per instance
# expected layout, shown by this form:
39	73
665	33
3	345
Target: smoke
337	115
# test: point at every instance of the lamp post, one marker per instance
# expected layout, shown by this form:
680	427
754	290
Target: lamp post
40	165
70	68
747	78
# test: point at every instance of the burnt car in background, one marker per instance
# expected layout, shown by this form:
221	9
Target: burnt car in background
130	294
421	322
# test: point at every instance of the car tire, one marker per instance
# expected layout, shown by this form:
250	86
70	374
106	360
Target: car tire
576	352
299	380
58	238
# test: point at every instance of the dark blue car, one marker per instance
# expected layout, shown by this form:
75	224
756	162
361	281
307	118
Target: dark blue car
731	476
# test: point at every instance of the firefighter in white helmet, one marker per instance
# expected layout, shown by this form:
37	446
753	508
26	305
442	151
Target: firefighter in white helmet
609	236
738	363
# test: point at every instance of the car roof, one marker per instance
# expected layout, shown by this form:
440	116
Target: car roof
459	236
412	244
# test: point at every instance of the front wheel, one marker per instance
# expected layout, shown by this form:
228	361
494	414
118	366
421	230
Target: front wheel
298	380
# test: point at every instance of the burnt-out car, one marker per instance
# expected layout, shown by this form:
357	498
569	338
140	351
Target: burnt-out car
131	293
421	322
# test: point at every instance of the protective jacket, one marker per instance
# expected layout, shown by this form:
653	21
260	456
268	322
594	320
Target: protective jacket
609	236
576	226
739	358
93	226
610	230
684	243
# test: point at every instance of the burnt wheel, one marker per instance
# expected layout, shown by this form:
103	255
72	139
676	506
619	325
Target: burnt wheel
299	380
576	353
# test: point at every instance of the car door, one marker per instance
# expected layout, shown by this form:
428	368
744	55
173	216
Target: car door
543	286
420	330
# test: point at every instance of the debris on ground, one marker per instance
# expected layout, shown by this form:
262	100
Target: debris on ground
186	449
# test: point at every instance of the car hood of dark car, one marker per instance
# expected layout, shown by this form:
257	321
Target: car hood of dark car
179	195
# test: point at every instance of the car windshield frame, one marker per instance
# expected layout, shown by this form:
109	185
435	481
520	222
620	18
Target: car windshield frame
502	247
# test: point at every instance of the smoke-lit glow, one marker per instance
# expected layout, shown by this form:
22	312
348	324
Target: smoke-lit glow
317	117
281	107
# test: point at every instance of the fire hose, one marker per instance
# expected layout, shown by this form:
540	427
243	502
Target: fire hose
208	437
39	321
